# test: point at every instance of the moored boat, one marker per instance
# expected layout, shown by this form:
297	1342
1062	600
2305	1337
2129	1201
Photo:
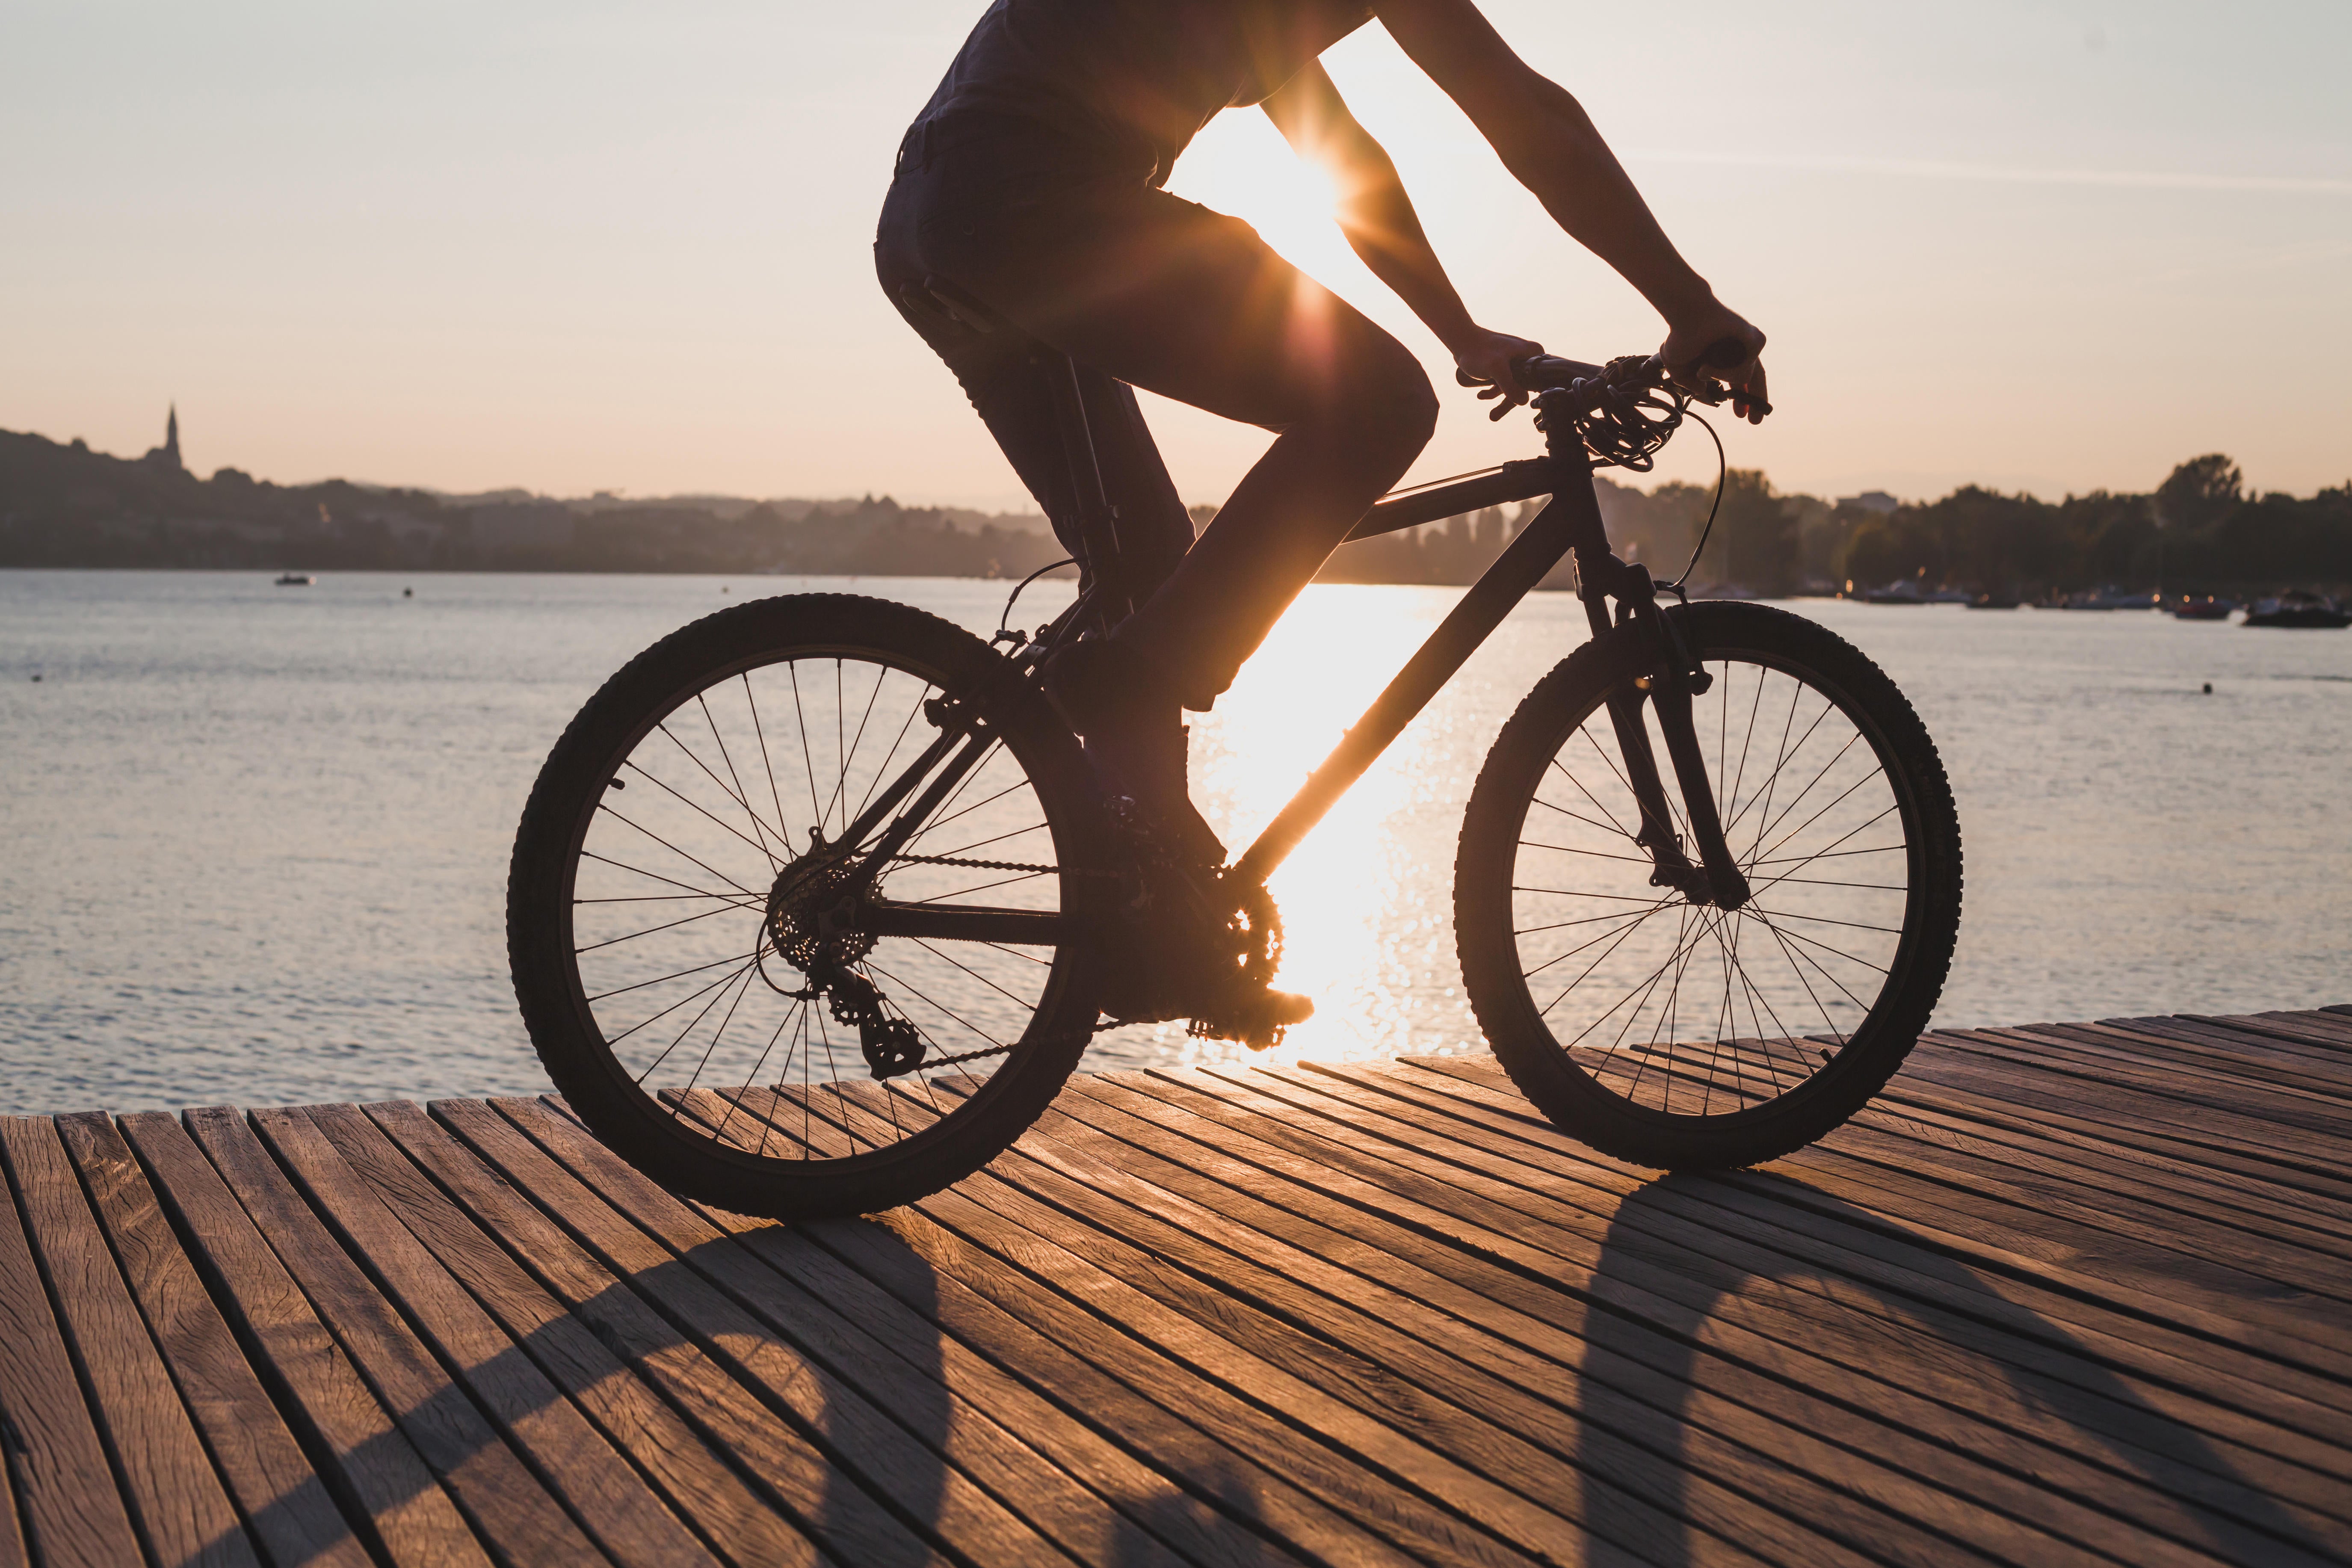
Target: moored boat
2201	608
2111	597
2299	611
295	579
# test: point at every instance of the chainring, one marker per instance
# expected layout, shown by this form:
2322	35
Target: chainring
1253	935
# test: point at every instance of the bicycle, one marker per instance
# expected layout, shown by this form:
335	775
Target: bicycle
845	1002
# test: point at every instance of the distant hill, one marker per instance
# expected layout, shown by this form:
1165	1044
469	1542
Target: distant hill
65	505
2201	531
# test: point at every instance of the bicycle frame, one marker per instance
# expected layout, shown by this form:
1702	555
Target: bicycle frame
1569	523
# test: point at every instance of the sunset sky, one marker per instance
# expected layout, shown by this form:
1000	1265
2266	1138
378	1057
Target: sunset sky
589	245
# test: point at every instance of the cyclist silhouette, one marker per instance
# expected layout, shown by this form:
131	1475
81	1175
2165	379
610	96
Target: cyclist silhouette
1030	186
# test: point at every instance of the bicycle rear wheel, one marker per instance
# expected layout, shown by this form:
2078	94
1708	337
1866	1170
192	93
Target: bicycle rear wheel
695	943
1678	1035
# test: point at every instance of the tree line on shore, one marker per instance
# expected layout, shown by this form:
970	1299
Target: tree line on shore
2201	531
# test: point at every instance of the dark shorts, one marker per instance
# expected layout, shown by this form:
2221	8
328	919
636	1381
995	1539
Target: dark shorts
1079	253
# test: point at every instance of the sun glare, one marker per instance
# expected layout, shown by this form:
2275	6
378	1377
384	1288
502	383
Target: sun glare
1324	664
1240	164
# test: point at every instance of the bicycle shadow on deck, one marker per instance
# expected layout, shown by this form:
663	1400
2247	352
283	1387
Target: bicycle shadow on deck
913	1454
2236	1519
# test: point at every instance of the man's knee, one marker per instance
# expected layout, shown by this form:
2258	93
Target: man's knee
1392	408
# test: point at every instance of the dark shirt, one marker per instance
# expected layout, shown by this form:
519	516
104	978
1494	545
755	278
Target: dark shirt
1131	78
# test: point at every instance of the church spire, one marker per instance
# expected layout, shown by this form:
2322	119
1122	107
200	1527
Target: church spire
172	436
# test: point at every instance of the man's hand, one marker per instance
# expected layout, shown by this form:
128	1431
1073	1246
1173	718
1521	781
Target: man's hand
1685	351
1485	357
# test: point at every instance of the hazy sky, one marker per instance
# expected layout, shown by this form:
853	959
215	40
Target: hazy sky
600	246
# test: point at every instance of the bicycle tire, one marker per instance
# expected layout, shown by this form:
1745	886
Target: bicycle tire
670	1134
1597	1093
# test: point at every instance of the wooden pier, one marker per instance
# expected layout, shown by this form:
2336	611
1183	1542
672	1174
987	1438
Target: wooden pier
2073	1293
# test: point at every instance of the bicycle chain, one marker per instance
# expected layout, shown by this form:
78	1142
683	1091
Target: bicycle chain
988	864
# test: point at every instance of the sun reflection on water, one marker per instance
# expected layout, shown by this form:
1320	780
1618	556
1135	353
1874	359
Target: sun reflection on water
1346	944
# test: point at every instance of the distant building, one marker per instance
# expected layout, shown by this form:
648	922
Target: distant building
1878	501
167	455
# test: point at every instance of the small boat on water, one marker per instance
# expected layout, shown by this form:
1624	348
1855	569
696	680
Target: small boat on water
2111	597
2299	611
2201	608
295	579
1990	600
1913	591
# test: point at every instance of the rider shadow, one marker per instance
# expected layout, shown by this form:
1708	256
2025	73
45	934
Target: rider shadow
2094	1402
1123	1529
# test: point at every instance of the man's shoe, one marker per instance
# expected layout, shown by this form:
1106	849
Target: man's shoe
1255	1015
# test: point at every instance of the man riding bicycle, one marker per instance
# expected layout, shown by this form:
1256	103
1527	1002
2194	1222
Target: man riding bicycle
1026	210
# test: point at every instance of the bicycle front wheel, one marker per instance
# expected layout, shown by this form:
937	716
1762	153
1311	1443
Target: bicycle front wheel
1679	1034
722	973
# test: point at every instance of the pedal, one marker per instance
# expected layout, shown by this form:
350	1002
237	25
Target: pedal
1257	1019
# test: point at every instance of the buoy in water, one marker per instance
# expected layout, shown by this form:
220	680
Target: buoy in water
2209	689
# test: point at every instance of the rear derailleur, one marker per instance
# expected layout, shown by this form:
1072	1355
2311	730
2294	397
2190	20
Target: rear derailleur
811	921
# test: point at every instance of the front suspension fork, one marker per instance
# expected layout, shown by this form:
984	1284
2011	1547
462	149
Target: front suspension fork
1671	682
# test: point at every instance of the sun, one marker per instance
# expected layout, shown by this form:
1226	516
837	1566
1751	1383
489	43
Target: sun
1241	165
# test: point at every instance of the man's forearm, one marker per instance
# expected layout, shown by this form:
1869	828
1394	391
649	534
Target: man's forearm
1551	146
1385	231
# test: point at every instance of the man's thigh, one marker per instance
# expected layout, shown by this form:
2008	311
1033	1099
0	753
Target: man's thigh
1168	295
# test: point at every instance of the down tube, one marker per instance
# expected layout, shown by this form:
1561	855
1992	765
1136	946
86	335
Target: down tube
1572	515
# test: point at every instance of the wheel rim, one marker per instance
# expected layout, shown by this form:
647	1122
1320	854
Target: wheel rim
1694	1015
696	891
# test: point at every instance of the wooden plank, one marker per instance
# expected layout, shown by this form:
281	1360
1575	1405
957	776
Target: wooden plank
2164	1341
2108	1233
2245	1043
501	1498
2029	1090
62	1480
284	1503
1060	1485
1487	1362
174	1495
2285	1117
1627	1283
577	1352
2257	1058
1903	1341
1245	1402
1980	1068
1543	1228
1434	1394
595	1484
2229	1182
1354	1361
2321	1037
875	1462
366	1459
753	1520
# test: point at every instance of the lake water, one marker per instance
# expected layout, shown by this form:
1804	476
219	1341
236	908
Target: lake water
255	838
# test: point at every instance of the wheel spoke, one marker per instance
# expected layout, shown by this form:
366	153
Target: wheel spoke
714	982
1689	1017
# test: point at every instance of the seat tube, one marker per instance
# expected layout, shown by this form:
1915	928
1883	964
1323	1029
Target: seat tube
1098	519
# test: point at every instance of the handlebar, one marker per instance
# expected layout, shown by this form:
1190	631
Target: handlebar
1549	373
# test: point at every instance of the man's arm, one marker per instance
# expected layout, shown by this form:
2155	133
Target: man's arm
1381	227
1550	146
